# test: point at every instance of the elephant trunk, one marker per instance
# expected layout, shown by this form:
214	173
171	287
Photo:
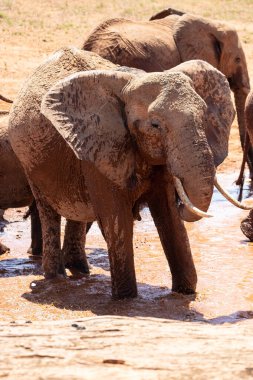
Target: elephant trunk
240	99
192	162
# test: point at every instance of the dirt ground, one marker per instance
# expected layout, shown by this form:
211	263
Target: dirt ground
224	258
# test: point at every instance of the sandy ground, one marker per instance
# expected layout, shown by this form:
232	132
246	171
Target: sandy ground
223	257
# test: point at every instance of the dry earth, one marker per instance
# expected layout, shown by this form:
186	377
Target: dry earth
159	335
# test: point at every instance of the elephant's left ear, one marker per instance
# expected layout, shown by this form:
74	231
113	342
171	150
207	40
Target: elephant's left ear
213	87
87	111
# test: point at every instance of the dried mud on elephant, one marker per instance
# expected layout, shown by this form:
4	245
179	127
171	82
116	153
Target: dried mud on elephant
224	258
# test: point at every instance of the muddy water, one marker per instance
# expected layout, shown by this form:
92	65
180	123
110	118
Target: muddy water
223	257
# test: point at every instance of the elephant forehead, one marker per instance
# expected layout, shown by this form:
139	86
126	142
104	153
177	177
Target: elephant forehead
151	85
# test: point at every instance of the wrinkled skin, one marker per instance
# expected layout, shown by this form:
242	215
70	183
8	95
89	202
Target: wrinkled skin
247	223
15	190
169	39
97	143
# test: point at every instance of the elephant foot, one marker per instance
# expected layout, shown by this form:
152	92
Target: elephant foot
59	275
247	226
123	293
53	267
183	290
184	287
78	265
3	249
35	252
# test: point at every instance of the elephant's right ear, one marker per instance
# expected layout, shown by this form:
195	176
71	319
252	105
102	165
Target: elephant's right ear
87	111
198	38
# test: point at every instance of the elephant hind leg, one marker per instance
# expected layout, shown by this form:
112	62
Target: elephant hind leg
52	260
36	232
73	247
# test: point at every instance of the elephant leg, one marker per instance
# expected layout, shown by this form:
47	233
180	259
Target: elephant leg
36	232
247	226
88	226
3	249
73	247
113	210
52	260
173	236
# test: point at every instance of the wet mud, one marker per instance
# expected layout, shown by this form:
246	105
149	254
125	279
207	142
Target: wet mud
222	255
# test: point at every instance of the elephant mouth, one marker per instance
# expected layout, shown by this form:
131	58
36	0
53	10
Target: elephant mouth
182	199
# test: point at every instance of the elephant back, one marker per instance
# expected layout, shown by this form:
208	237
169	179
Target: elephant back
148	46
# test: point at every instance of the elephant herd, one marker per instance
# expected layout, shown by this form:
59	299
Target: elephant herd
140	115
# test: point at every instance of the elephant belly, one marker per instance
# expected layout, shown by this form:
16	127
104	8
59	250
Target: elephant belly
57	174
74	210
69	200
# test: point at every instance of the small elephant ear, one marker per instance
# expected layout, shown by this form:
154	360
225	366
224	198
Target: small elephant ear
198	38
213	87
86	110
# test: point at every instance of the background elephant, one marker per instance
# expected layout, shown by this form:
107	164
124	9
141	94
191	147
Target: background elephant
247	223
14	189
173	37
15	192
105	140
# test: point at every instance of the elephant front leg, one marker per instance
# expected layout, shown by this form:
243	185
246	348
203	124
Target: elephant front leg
113	210
52	260
173	236
73	247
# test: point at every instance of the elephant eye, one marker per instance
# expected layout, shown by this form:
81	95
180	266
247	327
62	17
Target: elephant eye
155	124
237	59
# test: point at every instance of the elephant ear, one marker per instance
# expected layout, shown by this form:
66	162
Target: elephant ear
213	87
198	38
86	110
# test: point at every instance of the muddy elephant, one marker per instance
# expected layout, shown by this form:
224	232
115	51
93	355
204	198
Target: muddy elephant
99	141
247	223
15	190
169	39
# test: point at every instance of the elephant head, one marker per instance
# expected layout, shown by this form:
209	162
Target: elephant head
109	117
219	45
172	37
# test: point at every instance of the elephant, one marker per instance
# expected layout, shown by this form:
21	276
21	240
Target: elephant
96	140
15	190
247	223
170	38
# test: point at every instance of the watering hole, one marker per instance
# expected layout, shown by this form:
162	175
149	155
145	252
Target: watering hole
222	255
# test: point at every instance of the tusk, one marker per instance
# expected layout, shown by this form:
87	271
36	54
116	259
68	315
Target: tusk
228	196
186	201
5	99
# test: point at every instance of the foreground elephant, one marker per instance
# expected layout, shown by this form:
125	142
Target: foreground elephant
14	187
105	140
165	42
